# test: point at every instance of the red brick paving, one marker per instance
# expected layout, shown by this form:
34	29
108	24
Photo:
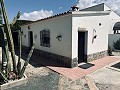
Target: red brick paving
75	73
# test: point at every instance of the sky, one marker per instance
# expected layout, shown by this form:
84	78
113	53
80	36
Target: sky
38	9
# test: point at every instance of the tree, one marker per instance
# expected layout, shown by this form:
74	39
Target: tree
116	44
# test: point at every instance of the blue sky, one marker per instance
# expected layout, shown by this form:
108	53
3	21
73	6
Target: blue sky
37	9
28	6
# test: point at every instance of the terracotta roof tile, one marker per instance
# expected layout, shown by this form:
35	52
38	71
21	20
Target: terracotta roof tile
49	17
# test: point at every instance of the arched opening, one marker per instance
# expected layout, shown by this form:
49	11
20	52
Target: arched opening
116	28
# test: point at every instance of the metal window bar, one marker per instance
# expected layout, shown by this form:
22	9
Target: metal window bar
45	38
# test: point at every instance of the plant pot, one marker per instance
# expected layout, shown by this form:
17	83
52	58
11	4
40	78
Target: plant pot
14	83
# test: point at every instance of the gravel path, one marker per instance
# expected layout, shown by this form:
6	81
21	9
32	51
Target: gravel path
39	78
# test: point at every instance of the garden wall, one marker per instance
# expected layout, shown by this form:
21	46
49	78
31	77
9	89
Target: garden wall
113	38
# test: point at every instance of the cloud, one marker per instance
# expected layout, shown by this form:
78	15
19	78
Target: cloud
113	4
60	7
35	15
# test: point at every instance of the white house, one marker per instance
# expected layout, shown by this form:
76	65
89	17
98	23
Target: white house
72	37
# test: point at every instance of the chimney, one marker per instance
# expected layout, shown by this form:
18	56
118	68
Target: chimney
75	8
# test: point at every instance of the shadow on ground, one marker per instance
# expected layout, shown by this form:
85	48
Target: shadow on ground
86	65
37	60
117	65
24	56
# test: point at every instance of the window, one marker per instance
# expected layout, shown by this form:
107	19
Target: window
45	38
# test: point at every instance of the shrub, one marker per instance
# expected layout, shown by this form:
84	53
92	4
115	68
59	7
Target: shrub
116	44
109	51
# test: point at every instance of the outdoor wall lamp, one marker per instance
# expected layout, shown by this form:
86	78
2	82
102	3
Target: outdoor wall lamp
94	34
59	37
29	27
35	36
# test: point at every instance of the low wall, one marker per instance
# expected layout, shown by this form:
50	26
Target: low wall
96	56
113	38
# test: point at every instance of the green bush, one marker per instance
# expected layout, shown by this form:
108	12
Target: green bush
109	51
116	44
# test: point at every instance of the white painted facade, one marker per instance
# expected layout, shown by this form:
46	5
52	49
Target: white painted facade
58	26
68	25
113	17
90	21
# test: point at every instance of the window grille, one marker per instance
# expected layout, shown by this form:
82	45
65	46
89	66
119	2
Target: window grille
45	38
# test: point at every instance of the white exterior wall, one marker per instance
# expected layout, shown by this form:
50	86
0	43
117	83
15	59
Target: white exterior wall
113	18
113	38
90	23
58	25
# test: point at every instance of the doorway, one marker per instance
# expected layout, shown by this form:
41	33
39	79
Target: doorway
15	38
82	47
30	38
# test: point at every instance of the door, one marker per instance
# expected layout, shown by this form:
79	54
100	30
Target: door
30	38
82	46
15	38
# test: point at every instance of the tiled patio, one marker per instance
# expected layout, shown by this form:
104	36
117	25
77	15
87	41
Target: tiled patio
72	73
77	72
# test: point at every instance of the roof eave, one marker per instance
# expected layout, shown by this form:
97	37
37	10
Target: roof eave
91	12
54	16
